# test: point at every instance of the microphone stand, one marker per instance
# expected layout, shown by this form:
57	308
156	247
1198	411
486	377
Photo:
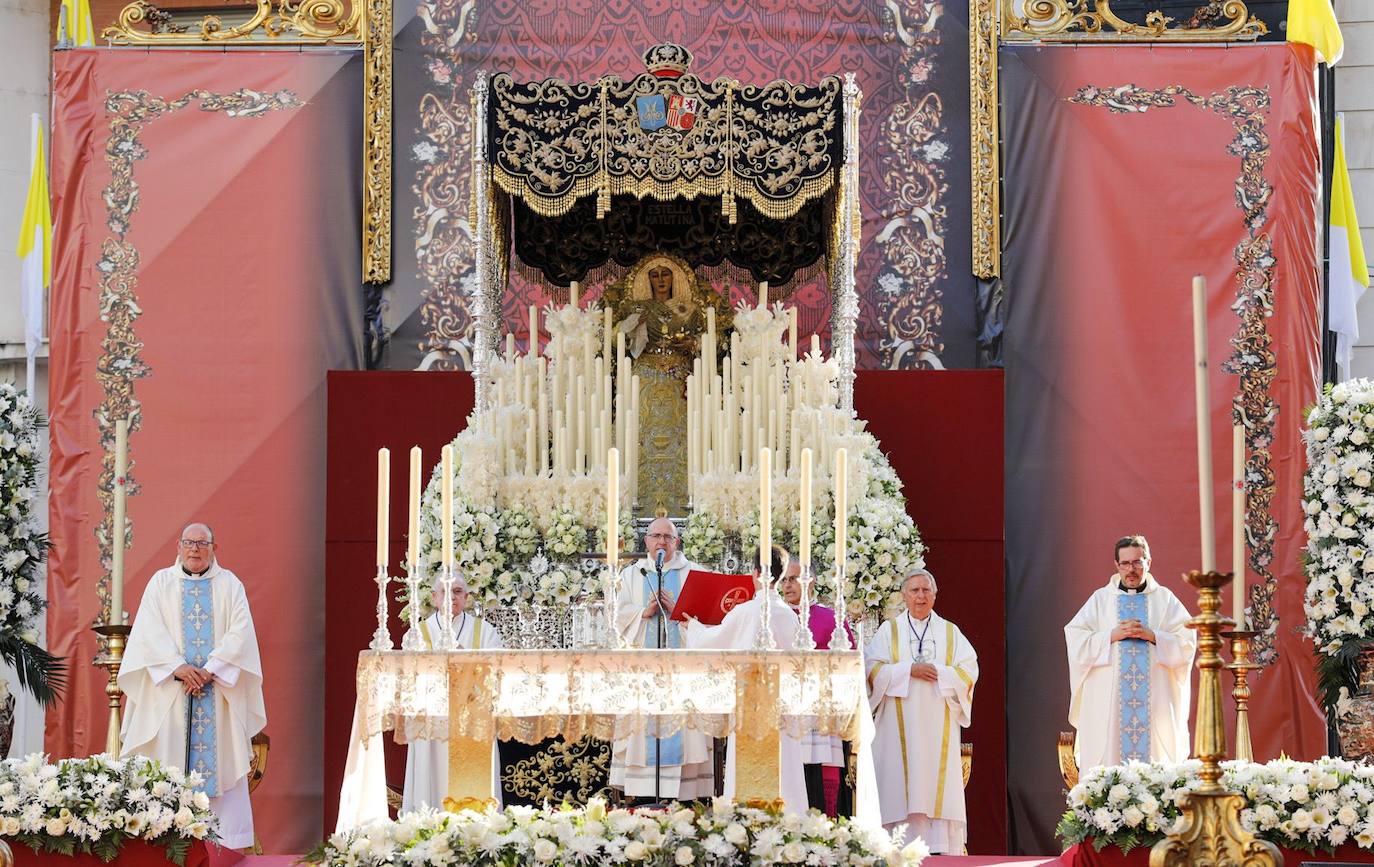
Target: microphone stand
662	636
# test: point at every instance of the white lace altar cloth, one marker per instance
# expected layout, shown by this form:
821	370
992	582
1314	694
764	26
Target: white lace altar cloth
530	695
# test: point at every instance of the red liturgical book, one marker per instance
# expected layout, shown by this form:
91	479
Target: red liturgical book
708	596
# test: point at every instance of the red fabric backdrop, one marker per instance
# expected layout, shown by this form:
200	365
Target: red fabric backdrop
205	277
950	460
1129	170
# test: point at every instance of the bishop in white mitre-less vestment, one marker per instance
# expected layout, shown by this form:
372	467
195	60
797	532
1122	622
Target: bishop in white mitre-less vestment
686	759
1142	682
427	761
197	618
737	631
921	674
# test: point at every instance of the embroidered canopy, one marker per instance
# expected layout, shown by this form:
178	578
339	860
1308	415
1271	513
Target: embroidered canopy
665	134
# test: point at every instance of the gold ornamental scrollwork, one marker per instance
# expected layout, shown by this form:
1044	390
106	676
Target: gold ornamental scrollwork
1096	21
307	22
377	88
984	151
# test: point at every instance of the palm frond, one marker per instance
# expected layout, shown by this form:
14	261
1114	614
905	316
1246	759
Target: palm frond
41	673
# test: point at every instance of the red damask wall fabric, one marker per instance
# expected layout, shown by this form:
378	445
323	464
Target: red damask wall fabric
204	279
1128	170
911	62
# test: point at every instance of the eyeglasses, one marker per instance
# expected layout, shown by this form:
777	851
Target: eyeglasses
196	544
1130	564
663	536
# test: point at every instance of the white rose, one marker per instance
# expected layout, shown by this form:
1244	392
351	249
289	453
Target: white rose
1132	816
545	850
1320	434
793	853
636	851
736	835
684	856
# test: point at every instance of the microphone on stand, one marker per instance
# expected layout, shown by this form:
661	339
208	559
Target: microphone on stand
658	742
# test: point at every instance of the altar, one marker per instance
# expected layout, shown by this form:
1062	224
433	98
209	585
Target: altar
470	698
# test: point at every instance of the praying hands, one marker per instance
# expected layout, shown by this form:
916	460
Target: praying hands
193	680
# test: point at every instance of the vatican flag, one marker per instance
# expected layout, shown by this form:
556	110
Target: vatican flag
1349	270
35	251
1313	22
79	27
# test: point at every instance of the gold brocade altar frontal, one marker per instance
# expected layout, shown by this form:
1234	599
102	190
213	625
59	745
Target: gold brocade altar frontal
531	695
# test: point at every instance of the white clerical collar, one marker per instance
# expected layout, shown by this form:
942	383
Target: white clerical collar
921	620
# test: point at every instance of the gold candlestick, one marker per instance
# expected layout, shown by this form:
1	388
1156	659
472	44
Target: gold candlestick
1212	832
116	635
1241	666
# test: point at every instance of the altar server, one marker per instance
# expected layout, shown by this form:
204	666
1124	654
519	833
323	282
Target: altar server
921	674
1130	666
738	631
685	759
194	680
427	761
823	756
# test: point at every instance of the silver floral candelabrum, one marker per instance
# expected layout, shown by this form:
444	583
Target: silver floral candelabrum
413	640
381	638
763	639
611	589
839	639
447	640
805	640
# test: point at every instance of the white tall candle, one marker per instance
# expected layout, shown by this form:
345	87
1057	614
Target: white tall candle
121	493
763	294
606	334
612	509
1204	426
413	510
841	505
766	511
383	504
791	332
1238	524
575	294
446	510
805	496
531	429
534	330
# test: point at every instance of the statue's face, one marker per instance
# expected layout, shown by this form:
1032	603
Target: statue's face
661	282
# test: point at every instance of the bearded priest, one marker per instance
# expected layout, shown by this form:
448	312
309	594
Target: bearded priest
427	761
194	680
1130	666
921	674
648	592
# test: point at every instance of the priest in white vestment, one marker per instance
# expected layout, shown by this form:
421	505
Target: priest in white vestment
921	674
685	760
427	761
1130	666
738	631
194	680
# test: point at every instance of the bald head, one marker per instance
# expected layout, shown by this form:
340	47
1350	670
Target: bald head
662	536
196	547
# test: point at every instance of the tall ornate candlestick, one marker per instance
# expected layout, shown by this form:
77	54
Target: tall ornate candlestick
1241	666
413	640
381	637
116	635
839	639
1212	832
447	640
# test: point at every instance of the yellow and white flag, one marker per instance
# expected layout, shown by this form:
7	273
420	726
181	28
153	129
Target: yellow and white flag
35	251
80	29
1313	22
1349	269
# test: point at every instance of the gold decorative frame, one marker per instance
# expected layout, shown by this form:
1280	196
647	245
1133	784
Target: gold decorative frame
1068	21
984	142
365	23
1095	21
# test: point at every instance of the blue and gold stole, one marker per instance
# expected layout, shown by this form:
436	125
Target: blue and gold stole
198	635
670	749
1133	680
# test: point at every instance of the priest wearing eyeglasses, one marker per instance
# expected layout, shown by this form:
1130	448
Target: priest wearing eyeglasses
1130	666
194	680
921	674
648	591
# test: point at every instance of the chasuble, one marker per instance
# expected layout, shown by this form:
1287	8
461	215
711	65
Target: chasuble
202	620
427	761
920	777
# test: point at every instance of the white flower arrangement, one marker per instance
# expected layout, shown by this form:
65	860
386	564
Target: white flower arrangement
702	540
22	547
1297	805
1338	499
94	805
721	834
